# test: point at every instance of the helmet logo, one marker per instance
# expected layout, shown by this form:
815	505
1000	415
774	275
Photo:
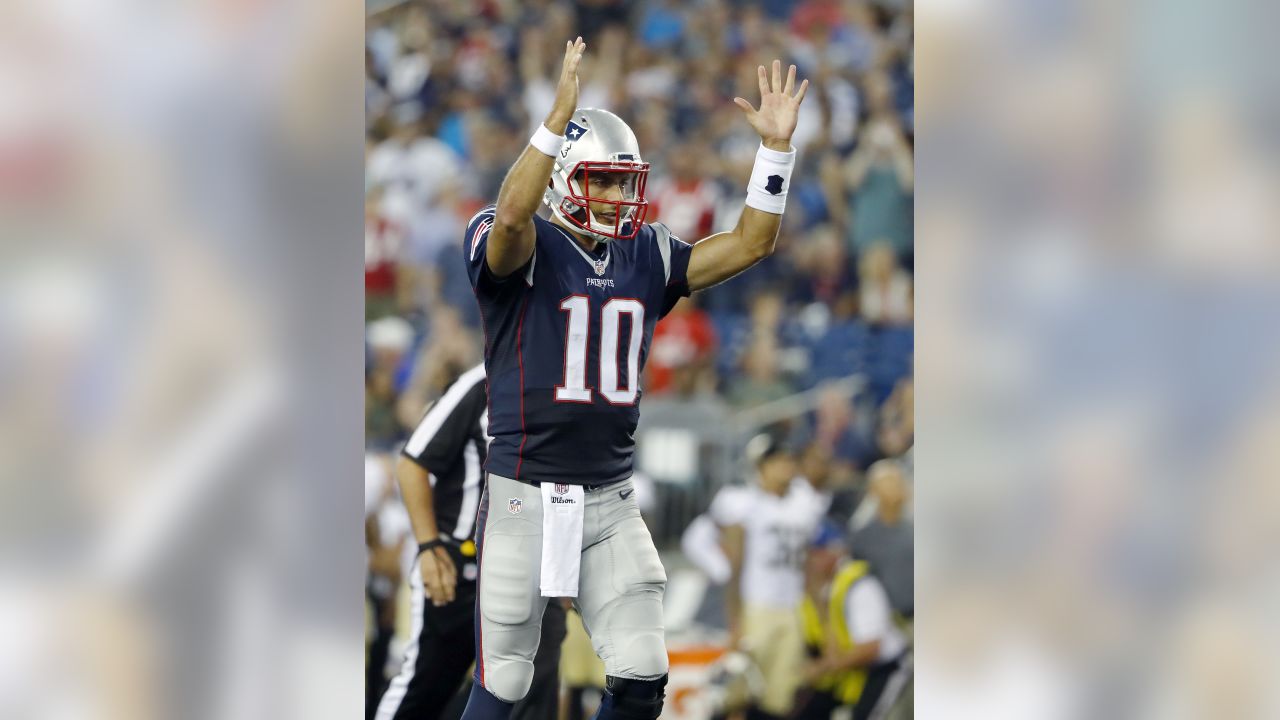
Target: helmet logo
572	132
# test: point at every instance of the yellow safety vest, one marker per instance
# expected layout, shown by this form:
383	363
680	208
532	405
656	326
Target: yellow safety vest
845	685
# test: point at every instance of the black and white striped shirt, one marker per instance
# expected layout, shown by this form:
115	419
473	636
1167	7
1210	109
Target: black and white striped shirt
450	444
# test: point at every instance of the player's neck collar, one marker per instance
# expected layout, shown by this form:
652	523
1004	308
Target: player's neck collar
604	261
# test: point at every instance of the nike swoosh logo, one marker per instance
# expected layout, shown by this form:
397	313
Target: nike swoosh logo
626	493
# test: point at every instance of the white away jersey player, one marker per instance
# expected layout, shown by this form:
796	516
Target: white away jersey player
777	532
566	338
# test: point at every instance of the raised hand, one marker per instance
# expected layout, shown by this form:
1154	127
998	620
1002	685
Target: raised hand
567	90
779	107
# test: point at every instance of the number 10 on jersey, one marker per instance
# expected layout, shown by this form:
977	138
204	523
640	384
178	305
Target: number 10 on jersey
577	335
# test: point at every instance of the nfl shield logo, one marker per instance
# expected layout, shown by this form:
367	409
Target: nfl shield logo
561	489
599	267
513	506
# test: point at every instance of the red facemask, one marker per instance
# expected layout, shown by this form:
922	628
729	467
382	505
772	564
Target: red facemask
620	185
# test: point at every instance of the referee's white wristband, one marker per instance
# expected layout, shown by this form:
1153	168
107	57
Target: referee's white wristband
770	180
546	142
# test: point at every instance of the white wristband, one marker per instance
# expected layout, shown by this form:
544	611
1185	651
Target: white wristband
546	142
770	180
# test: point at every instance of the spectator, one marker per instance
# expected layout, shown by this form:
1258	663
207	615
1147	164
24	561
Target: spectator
898	419
885	290
377	101
842	38
770	319
381	431
597	15
389	340
662	25
412	167
838	430
685	201
452	287
407	73
766	314
828	274
424	265
682	351
448	350
388	539
887	539
880	175
856	651
491	147
760	382
540	66
382	242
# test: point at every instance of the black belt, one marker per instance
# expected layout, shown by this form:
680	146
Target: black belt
585	488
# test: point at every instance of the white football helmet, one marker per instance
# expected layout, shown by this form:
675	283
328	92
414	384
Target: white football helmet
599	144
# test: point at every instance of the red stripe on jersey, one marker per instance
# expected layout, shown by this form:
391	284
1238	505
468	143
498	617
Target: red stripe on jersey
481	229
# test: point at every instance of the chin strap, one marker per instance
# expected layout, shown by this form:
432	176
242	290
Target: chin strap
585	225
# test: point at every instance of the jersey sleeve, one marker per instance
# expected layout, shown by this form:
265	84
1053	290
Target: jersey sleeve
866	611
443	432
728	507
475	245
701	544
675	267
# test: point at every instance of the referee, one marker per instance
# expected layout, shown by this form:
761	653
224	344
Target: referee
440	479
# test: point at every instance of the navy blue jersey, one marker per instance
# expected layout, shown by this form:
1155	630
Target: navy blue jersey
566	338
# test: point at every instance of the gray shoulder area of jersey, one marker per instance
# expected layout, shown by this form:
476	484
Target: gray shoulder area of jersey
662	236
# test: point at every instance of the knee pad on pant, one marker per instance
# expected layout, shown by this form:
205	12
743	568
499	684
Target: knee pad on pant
509	680
638	645
643	654
635	699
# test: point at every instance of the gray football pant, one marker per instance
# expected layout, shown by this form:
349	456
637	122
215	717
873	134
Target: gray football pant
620	586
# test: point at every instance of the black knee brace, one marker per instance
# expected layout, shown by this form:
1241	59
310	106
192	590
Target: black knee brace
636	699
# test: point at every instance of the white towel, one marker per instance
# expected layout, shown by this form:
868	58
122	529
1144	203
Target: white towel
562	507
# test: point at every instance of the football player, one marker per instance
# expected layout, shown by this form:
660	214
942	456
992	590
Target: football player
766	529
568	307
